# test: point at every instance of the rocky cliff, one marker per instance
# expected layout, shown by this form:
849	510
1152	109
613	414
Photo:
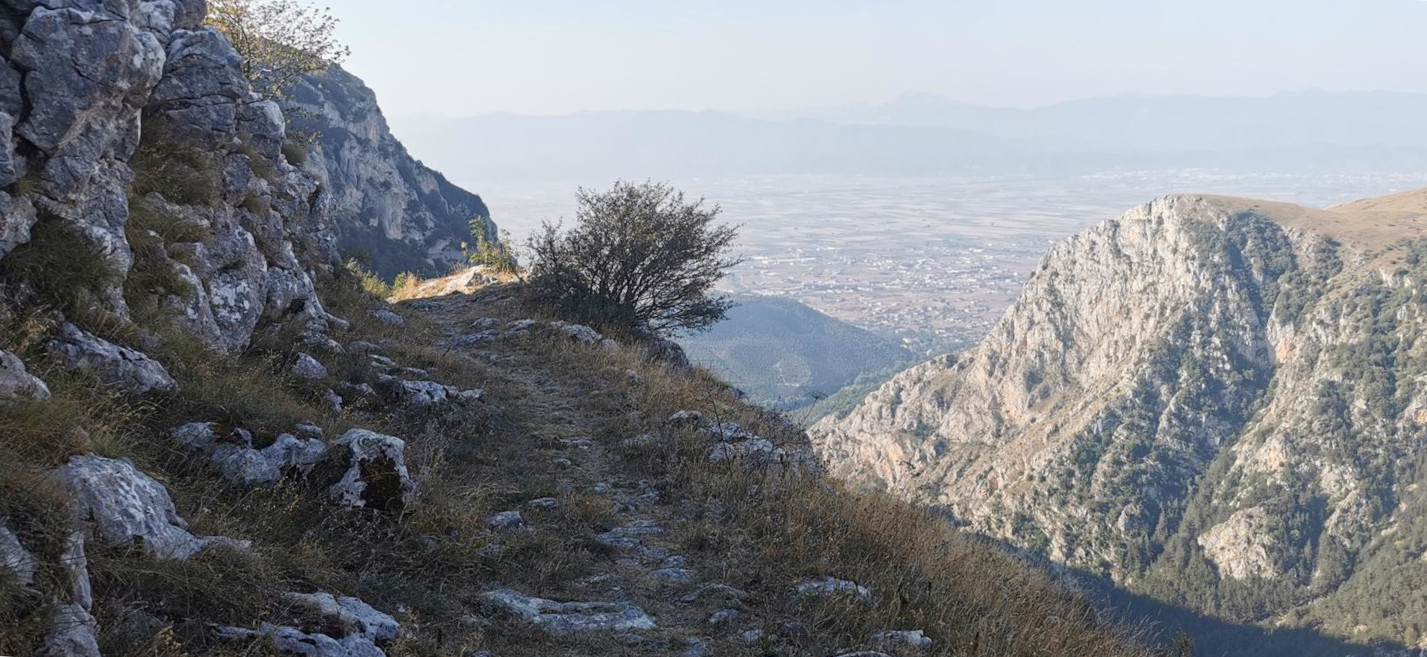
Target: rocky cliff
402	215
1216	401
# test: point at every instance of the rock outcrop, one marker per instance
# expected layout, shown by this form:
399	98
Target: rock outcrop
1203	393
384	201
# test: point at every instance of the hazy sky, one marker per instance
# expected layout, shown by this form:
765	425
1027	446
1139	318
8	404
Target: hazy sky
464	57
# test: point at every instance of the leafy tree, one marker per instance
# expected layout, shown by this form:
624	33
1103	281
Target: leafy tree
280	40
641	256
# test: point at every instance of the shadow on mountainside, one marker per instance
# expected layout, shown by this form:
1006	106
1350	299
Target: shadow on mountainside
1214	637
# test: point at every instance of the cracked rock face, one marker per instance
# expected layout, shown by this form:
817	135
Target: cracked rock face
121	506
375	476
121	367
566	618
383	199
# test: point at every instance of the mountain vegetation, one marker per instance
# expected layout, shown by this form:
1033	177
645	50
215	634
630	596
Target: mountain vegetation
218	441
1211	401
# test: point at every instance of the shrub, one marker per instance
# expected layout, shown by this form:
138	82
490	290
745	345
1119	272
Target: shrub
639	256
498	256
295	152
280	40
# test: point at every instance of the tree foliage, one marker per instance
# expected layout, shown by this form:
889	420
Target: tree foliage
640	256
497	255
280	40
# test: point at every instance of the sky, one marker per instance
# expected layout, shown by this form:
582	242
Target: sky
457	58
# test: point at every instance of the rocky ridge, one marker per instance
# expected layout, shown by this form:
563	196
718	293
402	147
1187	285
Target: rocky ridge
383	201
1215	401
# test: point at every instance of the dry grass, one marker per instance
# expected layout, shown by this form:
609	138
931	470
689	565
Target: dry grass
758	529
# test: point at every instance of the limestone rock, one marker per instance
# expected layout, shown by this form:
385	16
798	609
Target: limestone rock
578	332
567	618
894	639
15	561
74	634
375	475
351	616
388	317
309	368
16	383
827	587
120	506
121	367
381	195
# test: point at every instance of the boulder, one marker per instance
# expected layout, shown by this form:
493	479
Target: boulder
121	367
119	506
578	332
422	394
375	476
509	521
567	618
309	368
18	384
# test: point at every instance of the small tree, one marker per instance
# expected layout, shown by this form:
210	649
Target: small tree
497	255
280	40
640	256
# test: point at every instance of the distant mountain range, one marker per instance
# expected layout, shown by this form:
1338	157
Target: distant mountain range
927	134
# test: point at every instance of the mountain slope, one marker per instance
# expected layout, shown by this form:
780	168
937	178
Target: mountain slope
383	202
1216	401
780	350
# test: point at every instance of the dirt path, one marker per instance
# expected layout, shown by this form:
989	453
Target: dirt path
642	562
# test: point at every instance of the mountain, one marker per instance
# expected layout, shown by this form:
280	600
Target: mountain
383	202
1171	123
783	352
920	134
217	440
1217	402
662	144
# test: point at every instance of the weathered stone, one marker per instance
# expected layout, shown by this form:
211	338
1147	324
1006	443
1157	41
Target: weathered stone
510	521
121	367
74	634
308	368
578	332
10	167
201	89
17	217
567	618
120	506
376	475
18	384
388	317
827	587
15	561
351	616
673	574
87	77
628	536
292	641
756	450
545	503
894	639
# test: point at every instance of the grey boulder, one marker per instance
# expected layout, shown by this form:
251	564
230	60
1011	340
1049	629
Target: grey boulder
120	506
18	384
121	367
375	476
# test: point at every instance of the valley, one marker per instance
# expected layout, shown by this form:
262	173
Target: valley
930	261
